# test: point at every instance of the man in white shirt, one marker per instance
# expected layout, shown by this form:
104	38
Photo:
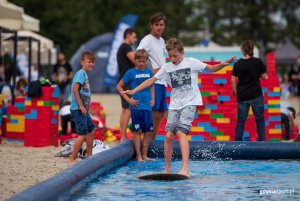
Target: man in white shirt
154	44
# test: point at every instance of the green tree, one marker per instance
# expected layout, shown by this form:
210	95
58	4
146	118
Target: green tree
70	23
263	21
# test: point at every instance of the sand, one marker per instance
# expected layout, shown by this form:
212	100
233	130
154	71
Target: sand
22	167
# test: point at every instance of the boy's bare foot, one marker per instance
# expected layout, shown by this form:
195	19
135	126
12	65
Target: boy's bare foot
139	159
145	158
167	172
72	161
186	173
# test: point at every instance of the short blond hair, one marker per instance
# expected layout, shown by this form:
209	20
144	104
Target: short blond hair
141	54
88	55
174	44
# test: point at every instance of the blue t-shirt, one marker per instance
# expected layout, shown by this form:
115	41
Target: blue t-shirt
134	78
84	90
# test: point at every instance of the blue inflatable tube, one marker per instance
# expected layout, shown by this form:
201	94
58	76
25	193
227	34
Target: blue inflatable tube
61	186
76	177
215	150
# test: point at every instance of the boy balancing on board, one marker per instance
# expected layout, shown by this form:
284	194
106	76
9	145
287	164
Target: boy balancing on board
140	104
182	75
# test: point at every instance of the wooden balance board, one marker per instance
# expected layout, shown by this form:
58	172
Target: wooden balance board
163	176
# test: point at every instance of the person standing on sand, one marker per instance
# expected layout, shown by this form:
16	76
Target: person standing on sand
80	102
125	59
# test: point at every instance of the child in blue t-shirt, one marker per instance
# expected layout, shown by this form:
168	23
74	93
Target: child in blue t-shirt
140	103
80	101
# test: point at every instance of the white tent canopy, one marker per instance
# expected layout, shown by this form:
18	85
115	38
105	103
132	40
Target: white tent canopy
13	17
47	46
46	43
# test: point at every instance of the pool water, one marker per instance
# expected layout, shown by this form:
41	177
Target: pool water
210	180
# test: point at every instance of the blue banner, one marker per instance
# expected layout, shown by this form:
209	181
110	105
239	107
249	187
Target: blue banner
111	70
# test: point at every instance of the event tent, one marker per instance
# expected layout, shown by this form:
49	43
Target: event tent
287	53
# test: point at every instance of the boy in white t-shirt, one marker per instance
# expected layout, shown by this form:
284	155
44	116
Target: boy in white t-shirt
182	75
65	115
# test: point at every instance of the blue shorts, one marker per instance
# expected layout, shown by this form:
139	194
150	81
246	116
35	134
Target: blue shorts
83	123
141	120
160	98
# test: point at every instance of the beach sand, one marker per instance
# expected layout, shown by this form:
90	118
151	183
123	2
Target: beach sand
22	167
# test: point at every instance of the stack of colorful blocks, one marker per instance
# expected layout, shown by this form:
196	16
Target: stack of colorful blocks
1	119
34	120
15	120
41	118
216	119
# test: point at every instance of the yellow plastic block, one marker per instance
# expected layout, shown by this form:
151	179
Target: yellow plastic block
273	102
250	111
55	107
27	103
199	80
19	127
223	138
223	70
213	93
204	111
40	103
276	89
274	110
274	131
223	120
197	129
189	137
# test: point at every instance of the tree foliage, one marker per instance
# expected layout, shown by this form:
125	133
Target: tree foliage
70	23
266	22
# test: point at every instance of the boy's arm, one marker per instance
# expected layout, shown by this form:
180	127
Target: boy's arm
233	83
145	84
120	88
152	95
78	99
217	67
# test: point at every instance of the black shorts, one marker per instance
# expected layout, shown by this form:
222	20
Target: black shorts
125	104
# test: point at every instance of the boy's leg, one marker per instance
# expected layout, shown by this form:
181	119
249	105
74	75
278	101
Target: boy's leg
147	129
146	142
168	151
89	143
185	153
64	124
137	145
124	120
183	128
78	143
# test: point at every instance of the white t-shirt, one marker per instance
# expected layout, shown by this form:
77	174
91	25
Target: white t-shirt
286	112
183	78
65	110
156	50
